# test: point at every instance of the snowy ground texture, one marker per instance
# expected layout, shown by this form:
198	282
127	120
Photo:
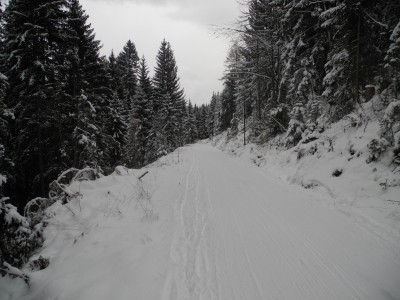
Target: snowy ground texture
203	224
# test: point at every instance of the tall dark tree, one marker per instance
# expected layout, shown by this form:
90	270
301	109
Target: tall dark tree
34	33
141	120
392	59
118	129
95	134
80	103
228	95
356	57
127	62
144	79
4	160
210	116
169	97
190	125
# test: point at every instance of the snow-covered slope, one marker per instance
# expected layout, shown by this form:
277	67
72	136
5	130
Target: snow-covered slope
113	243
335	165
206	225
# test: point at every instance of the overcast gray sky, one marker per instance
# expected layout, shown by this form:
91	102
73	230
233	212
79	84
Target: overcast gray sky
186	24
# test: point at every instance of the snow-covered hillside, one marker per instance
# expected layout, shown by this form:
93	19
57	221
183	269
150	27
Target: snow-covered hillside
205	225
336	167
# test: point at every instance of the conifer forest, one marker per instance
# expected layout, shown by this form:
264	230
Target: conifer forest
294	69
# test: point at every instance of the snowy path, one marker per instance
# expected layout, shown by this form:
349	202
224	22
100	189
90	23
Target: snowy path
243	234
222	229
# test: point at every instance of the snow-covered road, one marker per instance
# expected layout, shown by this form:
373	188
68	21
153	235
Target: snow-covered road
218	227
241	233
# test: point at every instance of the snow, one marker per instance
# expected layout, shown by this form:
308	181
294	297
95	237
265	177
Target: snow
91	106
367	193
12	216
203	224
396	33
391	107
3	179
9	113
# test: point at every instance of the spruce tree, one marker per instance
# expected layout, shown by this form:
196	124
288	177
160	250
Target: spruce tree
82	54
118	129
34	33
228	102
144	80
115	81
96	127
392	59
141	120
190	125
357	51
127	62
168	102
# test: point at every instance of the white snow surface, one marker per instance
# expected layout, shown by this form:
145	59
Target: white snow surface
203	224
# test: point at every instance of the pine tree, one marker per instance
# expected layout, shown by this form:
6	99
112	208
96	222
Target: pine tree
356	54
7	175
118	129
392	58
141	120
217	114
97	129
228	102
82	55
157	143
127	62
5	163
168	99
201	121
231	81
33	55
191	129
210	116
116	82
144	80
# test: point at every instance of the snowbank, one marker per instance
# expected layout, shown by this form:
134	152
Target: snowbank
335	166
112	242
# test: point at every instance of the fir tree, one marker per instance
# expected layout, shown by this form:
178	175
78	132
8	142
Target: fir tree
392	58
127	70
33	54
118	129
210	116
144	80
97	128
168	99
157	143
141	120
82	55
116	82
190	125
228	102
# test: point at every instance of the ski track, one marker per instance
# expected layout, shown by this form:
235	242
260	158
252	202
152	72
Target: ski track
193	269
227	230
243	234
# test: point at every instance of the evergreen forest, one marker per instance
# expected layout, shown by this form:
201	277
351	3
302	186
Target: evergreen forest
294	67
